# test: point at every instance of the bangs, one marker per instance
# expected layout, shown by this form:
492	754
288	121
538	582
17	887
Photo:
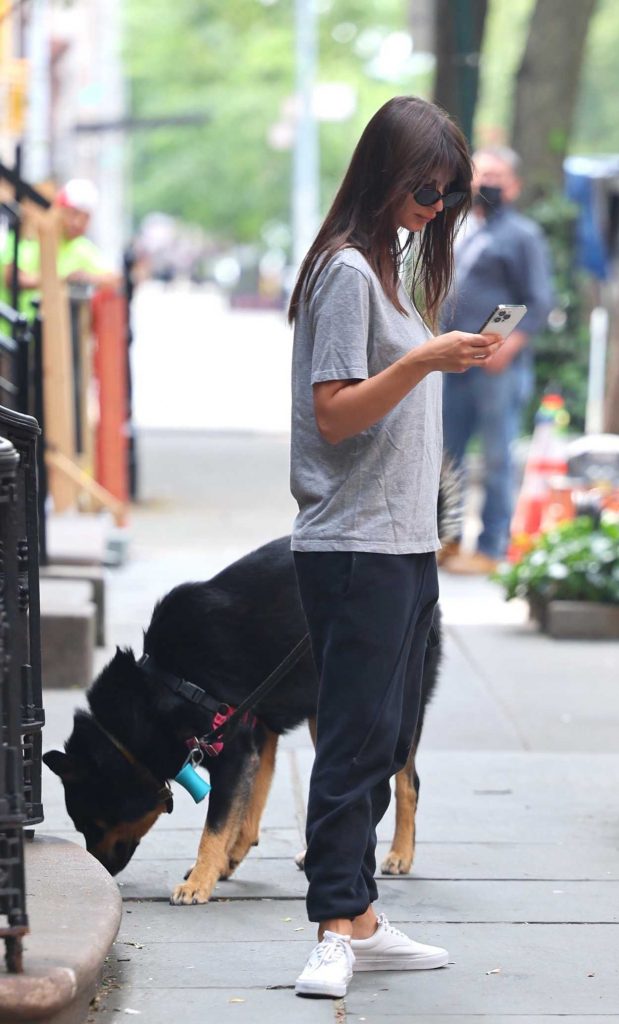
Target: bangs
454	164
447	161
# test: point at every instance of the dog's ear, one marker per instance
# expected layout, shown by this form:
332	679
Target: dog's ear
124	654
67	767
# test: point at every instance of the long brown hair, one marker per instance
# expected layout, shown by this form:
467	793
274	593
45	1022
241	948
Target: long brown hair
404	146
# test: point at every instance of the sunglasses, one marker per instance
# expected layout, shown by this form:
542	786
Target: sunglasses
427	196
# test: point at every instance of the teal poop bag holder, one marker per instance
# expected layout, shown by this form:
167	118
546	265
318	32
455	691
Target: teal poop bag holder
188	778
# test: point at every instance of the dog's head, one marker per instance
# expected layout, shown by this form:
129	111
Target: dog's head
112	800
113	808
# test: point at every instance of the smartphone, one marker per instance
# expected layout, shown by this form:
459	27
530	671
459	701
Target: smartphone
503	320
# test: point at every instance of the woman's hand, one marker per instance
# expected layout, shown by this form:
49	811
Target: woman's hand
457	351
507	352
344	408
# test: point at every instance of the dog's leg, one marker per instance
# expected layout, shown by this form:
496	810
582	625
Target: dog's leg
249	832
300	857
211	861
232	781
399	860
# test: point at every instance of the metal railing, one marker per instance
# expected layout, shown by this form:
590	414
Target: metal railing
15	381
21	705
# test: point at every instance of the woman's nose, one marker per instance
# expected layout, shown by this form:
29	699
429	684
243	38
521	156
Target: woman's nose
438	206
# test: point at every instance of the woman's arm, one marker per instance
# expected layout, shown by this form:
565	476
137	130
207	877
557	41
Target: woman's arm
344	408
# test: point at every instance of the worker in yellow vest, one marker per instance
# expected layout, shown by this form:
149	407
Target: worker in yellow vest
79	259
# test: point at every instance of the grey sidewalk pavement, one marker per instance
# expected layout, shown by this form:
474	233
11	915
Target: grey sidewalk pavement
517	872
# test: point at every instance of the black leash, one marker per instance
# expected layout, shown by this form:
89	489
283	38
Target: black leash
197	695
164	793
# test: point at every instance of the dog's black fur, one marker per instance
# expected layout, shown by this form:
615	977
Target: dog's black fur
225	635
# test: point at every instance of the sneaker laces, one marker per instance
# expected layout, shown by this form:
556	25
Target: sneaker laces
327	951
384	923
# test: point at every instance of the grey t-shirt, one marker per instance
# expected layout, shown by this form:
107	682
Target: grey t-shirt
376	491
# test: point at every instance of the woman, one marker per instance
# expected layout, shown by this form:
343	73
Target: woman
365	460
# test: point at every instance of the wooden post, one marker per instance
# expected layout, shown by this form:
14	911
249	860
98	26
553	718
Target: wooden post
100	497
57	363
88	402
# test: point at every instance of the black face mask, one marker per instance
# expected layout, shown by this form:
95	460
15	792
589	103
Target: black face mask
488	199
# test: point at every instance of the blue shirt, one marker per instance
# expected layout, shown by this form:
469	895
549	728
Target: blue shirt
504	260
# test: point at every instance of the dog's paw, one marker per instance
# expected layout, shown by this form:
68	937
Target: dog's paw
189	893
230	868
300	860
396	864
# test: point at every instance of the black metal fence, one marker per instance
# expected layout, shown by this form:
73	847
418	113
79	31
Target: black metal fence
21	705
15	377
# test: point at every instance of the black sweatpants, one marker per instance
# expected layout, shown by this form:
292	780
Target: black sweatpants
369	616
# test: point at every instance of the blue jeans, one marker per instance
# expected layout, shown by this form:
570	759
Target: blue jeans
490	405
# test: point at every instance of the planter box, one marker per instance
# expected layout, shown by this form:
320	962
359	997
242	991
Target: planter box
578	620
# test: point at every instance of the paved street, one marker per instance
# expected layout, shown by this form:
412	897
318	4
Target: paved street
518	827
198	366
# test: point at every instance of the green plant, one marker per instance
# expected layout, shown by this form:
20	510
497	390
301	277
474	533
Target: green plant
562	352
576	561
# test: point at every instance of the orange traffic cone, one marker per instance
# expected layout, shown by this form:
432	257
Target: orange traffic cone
546	460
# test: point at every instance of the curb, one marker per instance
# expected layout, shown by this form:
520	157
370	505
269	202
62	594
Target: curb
74	908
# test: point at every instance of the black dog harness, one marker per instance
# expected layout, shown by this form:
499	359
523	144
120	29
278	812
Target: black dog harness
225	718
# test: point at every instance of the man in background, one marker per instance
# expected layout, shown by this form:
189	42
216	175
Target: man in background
79	260
501	257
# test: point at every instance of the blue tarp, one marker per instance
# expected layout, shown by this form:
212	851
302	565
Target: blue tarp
586	183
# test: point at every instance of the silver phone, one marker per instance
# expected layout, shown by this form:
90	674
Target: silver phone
503	320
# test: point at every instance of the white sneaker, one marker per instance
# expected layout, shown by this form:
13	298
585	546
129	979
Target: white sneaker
329	968
389	949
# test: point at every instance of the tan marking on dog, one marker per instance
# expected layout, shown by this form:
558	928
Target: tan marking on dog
311	723
126	831
300	857
249	833
399	860
211	862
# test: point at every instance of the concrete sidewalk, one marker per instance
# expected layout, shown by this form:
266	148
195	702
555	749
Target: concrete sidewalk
516	871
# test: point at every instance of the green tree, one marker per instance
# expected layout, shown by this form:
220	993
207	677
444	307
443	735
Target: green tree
234	63
596	126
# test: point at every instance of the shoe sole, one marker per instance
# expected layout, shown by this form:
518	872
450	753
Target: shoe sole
317	991
426	963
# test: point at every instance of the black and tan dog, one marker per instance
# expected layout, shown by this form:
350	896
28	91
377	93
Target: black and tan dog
225	636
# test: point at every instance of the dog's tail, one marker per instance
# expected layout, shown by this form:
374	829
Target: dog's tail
449	508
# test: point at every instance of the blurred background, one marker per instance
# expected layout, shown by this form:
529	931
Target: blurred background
164	165
216	136
163	169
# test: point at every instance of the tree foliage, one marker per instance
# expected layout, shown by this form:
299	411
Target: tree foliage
235	63
595	127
